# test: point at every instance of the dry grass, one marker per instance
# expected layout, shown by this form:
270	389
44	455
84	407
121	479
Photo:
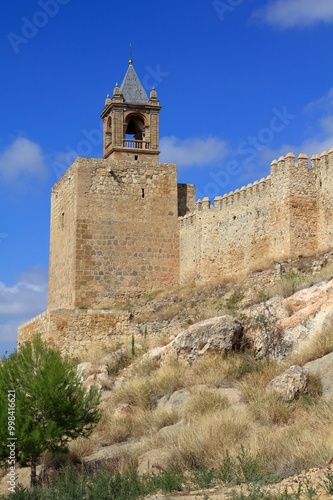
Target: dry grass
306	443
320	345
266	408
133	424
95	355
203	401
82	447
203	441
291	436
144	392
269	408
224	370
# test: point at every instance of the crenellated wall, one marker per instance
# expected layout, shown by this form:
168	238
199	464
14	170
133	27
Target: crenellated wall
287	214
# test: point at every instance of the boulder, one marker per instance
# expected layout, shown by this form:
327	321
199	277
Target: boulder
215	335
323	367
290	384
170	432
113	454
175	402
279	326
154	461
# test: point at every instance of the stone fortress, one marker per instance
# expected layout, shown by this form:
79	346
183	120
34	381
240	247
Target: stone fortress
122	226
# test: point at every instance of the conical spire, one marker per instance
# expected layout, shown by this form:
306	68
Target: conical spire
131	87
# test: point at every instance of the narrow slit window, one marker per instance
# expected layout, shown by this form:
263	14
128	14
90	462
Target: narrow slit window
142	193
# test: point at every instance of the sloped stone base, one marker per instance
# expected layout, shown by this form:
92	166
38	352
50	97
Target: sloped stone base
77	331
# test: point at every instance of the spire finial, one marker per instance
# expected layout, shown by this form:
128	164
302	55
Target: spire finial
130	62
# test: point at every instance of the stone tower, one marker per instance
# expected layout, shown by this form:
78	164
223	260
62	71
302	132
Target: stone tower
114	221
131	121
114	227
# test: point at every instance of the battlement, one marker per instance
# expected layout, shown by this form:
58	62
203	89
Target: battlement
286	214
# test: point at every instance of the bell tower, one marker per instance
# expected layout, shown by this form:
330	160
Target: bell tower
131	121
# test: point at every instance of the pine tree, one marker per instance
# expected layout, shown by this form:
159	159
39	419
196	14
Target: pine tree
42	404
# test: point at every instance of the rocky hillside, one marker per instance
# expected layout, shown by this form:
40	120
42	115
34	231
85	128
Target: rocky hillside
231	384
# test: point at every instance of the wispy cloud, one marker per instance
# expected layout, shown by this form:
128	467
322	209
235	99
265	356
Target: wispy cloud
292	13
22	157
193	151
21	301
318	137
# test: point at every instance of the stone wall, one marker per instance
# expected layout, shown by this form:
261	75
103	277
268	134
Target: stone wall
323	166
290	213
63	240
76	331
227	238
119	235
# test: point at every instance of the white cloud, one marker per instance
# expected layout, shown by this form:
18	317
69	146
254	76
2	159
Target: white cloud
8	331
22	301
193	151
291	13
318	137
320	115
22	157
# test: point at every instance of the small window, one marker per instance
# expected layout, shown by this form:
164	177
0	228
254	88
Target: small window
142	193
136	157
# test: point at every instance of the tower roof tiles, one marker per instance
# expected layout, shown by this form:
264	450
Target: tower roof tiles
131	87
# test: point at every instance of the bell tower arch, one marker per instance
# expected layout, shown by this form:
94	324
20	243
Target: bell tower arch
131	121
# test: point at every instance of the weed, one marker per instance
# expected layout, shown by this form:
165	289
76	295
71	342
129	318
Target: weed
232	301
72	484
310	491
257	493
289	283
249	467
227	472
168	481
202	477
328	482
243	468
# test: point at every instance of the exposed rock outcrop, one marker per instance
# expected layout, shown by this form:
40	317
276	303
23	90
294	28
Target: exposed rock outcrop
323	367
279	325
291	383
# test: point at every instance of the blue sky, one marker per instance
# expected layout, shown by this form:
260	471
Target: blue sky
241	83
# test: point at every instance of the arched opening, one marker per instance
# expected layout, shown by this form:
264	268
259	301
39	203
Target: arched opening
134	132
